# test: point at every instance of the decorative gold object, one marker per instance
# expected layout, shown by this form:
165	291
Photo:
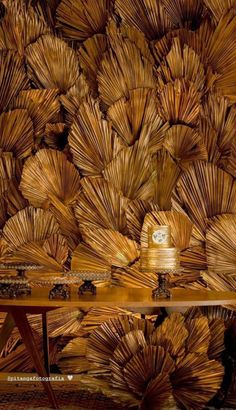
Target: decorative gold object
18	285
88	277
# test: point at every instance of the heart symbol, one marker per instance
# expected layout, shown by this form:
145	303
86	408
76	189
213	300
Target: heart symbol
69	377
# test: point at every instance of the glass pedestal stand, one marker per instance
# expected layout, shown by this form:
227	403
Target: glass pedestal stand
18	285
88	277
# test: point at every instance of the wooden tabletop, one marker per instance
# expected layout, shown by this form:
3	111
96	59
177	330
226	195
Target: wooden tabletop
125	297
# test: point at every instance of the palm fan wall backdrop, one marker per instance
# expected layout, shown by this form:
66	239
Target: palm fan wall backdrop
109	111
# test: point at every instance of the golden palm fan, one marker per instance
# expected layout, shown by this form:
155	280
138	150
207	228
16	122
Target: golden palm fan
218	312
206	191
171	335
84	258
47	174
182	63
56	247
216	346
130	172
130	115
210	140
42	106
76	347
135	214
221	244
167	174
230	163
185	145
54	135
7	169
199	337
132	277
81	19
51	63
183	12
220	282
148	16
98	315
14	199
158	394
16	133
179	102
90	55
219	7
181	227
13	77
116	248
20	27
194	258
3	218
91	139
100	205
29	225
137	37
196	380
117	76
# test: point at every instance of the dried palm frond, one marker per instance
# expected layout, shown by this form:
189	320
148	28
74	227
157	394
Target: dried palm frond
135	214
196	380
179	102
20	27
219	7
199	337
183	12
182	63
47	174
93	143
209	138
129	116
137	37
185	145
159	394
84	258
42	105
56	247
12	77
221	244
16	133
130	171
51	63
171	335
100	205
14	199
206	191
218	312
75	365
90	55
29	225
194	258
230	164
76	347
54	135
98	315
7	169
117	76
216	346
147	16
116	248
167	174
3	219
81	19
220	282
133	277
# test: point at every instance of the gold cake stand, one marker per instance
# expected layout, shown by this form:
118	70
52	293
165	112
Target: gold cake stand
16	285
88	277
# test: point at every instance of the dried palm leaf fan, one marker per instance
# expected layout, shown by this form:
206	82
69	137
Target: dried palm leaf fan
217	346
137	37
116	248
7	169
93	143
148	16
90	55
221	55
219	7
54	135
196	380
206	191
46	10
130	172
56	246
14	199
12	77
49	174
199	337
81	19
184	12
20	27
51	63
133	277
130	115
72	358
85	258
167	173
221	244
181	227
182	63
185	145
100	205
16	133
220	282
3	219
29	225
42	106
210	140
194	259
179	102
230	164
117	76
135	214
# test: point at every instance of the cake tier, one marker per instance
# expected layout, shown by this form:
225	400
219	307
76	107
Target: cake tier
159	236
154	259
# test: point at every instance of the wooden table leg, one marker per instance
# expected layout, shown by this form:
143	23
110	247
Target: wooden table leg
45	343
6	330
27	335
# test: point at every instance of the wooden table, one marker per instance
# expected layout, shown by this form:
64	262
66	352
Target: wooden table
38	303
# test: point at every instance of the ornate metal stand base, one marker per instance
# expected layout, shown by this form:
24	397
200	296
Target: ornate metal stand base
87	286
11	287
162	291
59	291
